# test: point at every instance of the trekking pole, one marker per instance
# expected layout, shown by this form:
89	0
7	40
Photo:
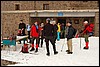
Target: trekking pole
80	43
64	39
63	45
76	36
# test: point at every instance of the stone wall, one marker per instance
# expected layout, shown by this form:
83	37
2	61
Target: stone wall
10	5
67	5
53	5
10	23
97	24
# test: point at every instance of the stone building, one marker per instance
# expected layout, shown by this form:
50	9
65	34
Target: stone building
60	11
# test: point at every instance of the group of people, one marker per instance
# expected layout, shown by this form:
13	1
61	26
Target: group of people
50	32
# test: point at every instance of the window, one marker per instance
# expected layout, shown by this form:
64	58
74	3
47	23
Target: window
17	6
45	6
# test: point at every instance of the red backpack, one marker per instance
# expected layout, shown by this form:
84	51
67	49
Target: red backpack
90	28
25	48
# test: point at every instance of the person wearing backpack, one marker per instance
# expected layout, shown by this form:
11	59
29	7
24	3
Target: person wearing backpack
87	32
70	33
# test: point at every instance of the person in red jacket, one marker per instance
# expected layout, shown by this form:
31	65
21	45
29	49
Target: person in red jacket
87	32
34	35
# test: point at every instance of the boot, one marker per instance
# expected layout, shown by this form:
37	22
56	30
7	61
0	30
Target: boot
86	47
36	50
32	49
67	50
48	54
37	45
41	46
87	44
56	52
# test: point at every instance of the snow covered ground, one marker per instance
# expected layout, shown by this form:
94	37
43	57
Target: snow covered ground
80	57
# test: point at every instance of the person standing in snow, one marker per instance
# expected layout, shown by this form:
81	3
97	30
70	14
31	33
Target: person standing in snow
48	35
69	36
34	34
58	31
55	30
41	33
28	28
62	30
87	32
21	31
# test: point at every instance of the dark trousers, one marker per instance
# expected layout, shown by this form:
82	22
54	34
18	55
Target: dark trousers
23	32
29	36
51	39
41	41
55	37
37	40
23	41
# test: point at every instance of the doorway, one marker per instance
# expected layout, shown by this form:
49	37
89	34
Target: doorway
62	21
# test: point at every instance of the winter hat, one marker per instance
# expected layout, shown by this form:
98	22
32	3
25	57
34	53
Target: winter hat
48	19
85	21
70	22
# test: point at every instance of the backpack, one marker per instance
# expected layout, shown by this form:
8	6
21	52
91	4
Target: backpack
25	48
75	32
91	26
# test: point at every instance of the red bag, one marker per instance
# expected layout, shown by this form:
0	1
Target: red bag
25	48
19	32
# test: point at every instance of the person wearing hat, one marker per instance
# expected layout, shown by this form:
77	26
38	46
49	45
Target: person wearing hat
88	31
69	36
48	35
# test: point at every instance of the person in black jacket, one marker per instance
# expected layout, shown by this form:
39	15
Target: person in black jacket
55	30
69	36
22	26
48	35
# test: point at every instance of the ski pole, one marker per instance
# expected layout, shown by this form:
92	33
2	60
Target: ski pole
80	42
62	46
